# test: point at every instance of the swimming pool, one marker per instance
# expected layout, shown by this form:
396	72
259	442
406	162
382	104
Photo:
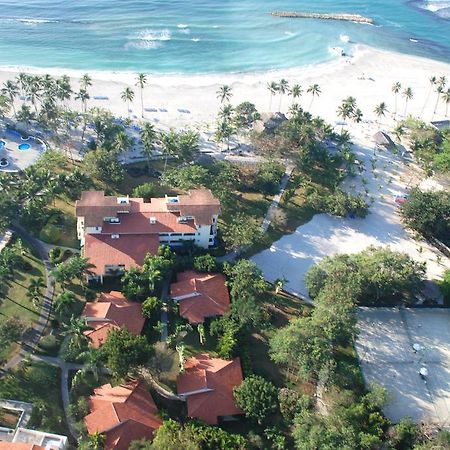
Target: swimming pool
24	146
2	144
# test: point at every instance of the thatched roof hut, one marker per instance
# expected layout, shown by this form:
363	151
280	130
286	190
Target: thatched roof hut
383	140
269	122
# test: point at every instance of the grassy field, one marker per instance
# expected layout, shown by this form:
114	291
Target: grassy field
37	383
16	303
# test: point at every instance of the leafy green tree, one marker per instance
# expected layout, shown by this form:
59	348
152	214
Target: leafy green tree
445	286
35	290
245	115
427	213
103	164
205	263
145	191
123	351
268	176
64	303
151	306
241	232
257	397
186	177
11	330
134	284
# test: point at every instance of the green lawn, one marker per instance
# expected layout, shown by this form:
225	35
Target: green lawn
37	383
16	303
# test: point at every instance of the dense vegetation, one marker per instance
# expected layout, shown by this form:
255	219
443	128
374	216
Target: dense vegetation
428	213
430	146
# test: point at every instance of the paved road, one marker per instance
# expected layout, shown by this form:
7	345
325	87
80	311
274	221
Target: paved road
31	340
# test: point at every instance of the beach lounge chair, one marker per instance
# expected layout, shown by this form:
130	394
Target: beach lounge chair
151	109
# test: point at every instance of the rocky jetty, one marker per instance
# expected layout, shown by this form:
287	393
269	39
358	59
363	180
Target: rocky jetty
331	16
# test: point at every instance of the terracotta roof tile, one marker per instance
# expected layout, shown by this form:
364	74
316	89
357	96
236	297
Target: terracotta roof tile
112	311
221	377
123	413
166	222
128	250
209	298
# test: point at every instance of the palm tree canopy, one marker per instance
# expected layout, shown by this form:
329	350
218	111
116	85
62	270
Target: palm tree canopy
141	80
296	90
314	89
283	86
127	95
408	93
381	109
272	87
396	87
224	93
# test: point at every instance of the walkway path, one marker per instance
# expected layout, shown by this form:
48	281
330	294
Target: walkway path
30	342
165	297
232	256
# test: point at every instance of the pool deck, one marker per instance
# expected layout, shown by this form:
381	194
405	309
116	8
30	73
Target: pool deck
19	159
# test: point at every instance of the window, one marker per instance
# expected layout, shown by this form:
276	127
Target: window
164	234
188	234
115	236
182	219
152	220
175	234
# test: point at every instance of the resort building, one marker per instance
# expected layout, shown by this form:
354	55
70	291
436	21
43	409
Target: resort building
207	386
111	311
200	295
117	232
124	413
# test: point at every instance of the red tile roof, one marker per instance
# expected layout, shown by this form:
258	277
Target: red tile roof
139	223
209	298
123	413
216	378
127	250
112	311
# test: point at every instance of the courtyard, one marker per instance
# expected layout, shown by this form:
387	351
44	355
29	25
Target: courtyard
393	346
17	152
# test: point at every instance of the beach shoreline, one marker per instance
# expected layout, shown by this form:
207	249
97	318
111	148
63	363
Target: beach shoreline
368	76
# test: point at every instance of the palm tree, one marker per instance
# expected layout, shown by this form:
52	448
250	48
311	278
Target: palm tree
399	131
92	363
169	142
432	81
224	93
296	91
63	89
380	111
5	105
121	142
446	100
75	329
127	96
314	90
141	82
408	95
148	137
34	90
64	303
226	112
85	81
283	87
440	86
273	88
34	290
83	96
396	87
10	89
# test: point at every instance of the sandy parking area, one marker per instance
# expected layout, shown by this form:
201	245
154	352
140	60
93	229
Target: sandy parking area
385	349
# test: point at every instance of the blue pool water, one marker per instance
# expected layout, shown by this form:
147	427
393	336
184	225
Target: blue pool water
206	36
24	146
2	144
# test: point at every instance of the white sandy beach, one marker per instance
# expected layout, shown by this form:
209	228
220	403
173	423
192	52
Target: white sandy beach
367	76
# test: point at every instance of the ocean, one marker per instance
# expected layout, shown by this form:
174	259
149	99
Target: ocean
207	36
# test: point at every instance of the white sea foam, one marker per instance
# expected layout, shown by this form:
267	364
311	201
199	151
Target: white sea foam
195	39
182	25
289	33
184	30
152	35
148	39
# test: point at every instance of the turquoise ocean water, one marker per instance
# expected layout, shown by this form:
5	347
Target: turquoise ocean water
207	36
